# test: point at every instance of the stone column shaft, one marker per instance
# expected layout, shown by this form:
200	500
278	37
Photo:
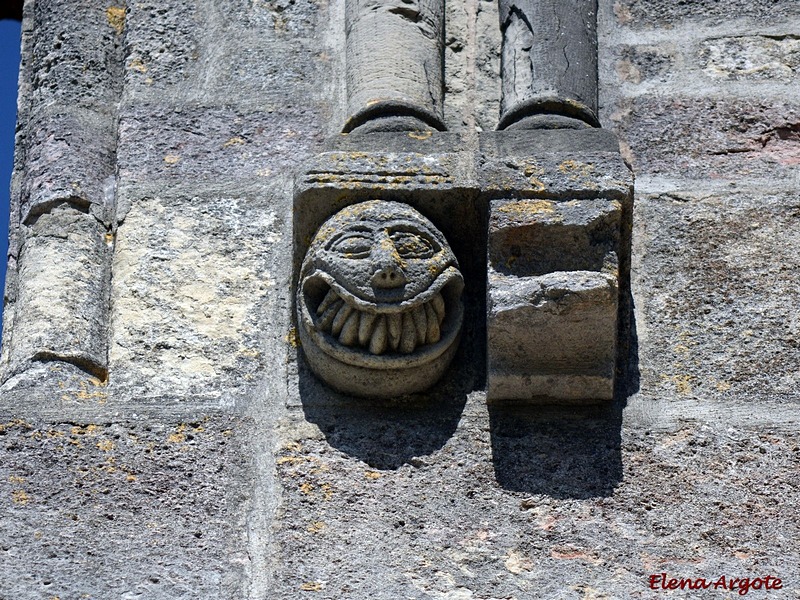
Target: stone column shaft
395	62
549	63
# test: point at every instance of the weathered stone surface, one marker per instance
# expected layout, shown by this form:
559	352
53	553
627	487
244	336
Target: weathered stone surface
248	145
647	62
716	301
518	505
716	138
552	300
144	507
188	299
70	156
76	61
379	308
549	62
63	286
752	57
395	61
162	43
654	13
548	164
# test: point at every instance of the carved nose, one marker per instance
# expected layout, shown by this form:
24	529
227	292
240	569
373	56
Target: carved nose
388	271
388	276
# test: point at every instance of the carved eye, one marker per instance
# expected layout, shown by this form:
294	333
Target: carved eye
413	245
353	245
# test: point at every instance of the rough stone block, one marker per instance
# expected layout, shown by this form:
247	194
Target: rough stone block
710	137
717	295
655	13
147	507
255	145
752	57
189	298
635	64
552	299
562	164
75	61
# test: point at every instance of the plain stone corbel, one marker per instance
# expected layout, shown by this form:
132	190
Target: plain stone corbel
549	64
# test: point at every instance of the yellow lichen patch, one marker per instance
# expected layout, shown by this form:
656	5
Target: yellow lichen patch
137	65
178	436
105	445
234	141
172	159
311	586
306	488
372	475
130	478
116	18
327	491
526	207
15	423
16	479
20	497
292	338
577	171
683	383
293	447
420	135
86	393
87	430
316	527
723	386
292	460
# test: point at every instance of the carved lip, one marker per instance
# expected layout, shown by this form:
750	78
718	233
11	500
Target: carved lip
382	335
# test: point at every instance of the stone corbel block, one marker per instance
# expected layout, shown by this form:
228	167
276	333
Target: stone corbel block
556	244
553	290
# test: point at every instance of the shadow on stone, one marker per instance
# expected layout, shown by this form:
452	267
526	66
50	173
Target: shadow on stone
557	451
567	451
387	434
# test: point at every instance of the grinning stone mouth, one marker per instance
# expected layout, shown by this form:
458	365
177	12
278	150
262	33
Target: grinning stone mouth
425	325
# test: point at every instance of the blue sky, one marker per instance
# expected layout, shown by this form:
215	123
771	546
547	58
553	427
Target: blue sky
9	68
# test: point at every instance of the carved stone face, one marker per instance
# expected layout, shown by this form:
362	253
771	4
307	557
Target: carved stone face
380	290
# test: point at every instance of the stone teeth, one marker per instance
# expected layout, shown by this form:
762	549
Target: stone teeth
340	318
349	334
395	323
327	317
420	323
438	305
408	337
365	328
395	332
377	345
329	299
434	334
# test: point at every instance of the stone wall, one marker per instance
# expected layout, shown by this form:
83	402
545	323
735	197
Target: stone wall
162	436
